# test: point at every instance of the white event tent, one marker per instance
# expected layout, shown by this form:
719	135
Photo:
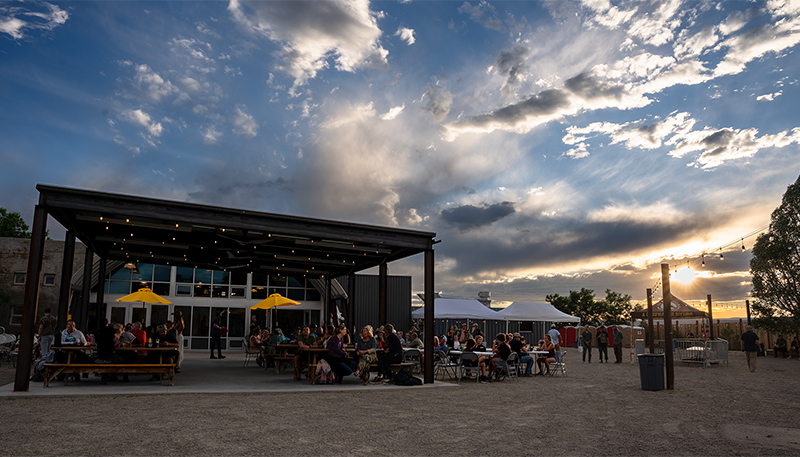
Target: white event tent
457	308
538	312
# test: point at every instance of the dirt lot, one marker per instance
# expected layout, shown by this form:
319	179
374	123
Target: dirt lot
597	408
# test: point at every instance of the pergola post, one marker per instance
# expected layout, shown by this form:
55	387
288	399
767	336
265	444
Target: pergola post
668	362
82	313
651	329
429	329
710	317
328	307
99	307
351	308
65	292
383	280
29	311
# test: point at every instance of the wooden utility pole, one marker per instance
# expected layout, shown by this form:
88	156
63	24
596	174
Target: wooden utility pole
747	304
650	328
710	318
668	362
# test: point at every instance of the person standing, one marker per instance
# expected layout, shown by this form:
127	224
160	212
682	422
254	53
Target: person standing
586	341
618	336
602	343
48	327
750	347
179	326
554	335
216	333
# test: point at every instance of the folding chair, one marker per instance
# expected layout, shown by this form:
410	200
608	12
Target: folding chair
413	356
443	364
249	353
469	357
512	366
559	364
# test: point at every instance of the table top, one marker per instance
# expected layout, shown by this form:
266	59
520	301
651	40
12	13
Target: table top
120	348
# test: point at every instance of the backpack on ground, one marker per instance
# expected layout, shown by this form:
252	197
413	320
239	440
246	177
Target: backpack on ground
402	378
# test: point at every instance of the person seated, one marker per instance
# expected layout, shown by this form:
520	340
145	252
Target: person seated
479	346
393	353
548	358
71	336
337	358
470	346
348	340
366	350
107	337
780	346
794	349
277	338
501	352
518	346
690	335
414	342
402	339
326	336
255	339
165	339
304	341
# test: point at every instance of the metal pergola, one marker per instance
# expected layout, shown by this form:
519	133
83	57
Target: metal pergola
140	229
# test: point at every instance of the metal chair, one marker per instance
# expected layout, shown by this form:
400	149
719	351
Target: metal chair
512	366
443	364
249	353
559	364
467	357
413	356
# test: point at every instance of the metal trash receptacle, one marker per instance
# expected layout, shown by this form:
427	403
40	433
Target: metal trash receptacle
639	347
651	371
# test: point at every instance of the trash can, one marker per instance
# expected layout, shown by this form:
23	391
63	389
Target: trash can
651	371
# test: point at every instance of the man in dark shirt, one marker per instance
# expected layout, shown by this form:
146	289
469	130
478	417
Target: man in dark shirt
750	346
518	347
392	355
304	341
106	337
586	341
780	346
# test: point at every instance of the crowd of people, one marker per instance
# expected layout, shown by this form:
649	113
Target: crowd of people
109	339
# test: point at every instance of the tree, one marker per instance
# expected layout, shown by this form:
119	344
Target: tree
12	225
579	304
615	309
775	267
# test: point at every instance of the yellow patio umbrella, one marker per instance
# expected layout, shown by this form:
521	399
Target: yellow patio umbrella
273	301
145	295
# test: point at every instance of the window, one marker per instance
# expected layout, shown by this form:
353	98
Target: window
49	279
19	278
16	315
526	326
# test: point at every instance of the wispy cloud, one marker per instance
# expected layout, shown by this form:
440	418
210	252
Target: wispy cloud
406	35
18	18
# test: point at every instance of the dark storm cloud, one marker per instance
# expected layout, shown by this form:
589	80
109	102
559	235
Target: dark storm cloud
512	63
718	142
237	191
543	104
469	217
588	88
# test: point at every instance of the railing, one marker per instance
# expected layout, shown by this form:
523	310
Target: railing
696	350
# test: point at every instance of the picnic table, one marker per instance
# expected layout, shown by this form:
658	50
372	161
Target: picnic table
51	370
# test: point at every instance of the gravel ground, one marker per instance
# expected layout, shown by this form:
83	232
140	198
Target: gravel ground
598	407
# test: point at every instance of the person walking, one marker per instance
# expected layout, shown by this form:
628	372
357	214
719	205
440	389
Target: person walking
586	341
48	327
602	343
750	347
618	337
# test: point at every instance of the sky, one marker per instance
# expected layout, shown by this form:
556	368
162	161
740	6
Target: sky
550	145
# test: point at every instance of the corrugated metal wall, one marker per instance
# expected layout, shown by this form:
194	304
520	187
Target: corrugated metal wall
365	301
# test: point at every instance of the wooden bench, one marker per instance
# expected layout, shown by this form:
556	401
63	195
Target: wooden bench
51	370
